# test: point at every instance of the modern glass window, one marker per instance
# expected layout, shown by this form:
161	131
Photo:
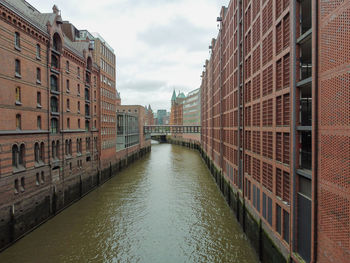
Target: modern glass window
17	40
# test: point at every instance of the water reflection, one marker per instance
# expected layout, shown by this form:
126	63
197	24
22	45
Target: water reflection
164	208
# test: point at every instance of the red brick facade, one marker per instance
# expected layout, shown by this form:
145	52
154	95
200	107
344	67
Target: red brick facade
275	120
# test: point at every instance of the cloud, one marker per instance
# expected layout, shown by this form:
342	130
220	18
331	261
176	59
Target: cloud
178	33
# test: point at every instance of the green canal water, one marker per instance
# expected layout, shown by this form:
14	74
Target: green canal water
164	208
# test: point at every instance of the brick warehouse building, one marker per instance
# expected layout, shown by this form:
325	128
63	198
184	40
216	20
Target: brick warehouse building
276	123
51	115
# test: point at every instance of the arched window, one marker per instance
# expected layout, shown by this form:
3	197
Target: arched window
18	122
89	63
66	147
15	156
58	149
36	152
53	83
53	149
56	43
70	147
22	152
42	152
54	104
78	146
54	125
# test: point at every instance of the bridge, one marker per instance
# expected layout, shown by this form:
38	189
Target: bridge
171	129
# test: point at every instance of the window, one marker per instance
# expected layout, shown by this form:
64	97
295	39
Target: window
22	184
38	122
67	66
53	148
15	156
38	51
70	147
57	149
53	83
36	152
42	152
17	41
42	177
68	123
18	95
78	106
79	123
54	125
54	104
78	70
37	182
67	85
54	62
38	98
78	89
17	68
68	105
18	122
56	43
87	125
38	75
16	186
22	155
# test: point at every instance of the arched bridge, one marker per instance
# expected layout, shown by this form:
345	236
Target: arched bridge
171	129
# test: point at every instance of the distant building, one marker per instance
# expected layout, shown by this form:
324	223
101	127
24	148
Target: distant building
192	113
192	108
176	114
149	116
161	114
130	136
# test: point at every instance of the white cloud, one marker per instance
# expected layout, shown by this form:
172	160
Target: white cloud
160	43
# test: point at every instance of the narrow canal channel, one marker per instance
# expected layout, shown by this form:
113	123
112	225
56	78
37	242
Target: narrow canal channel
164	208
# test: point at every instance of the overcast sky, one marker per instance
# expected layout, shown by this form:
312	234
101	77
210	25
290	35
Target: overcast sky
159	44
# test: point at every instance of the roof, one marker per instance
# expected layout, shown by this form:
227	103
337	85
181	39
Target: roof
173	98
24	9
181	96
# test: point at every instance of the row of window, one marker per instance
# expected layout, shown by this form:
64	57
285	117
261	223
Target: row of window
18	45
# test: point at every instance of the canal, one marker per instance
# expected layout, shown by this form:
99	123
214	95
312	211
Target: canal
163	208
